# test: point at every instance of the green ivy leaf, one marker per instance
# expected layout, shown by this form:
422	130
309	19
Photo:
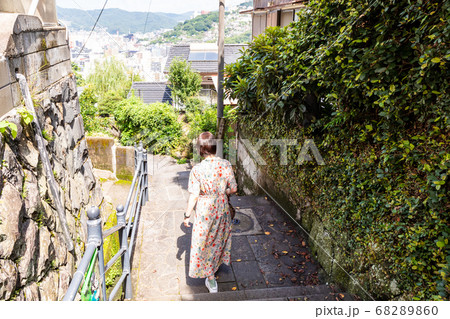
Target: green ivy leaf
435	60
12	127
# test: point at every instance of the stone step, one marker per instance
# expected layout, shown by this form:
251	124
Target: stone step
319	292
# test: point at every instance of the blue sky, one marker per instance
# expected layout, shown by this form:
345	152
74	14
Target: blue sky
173	6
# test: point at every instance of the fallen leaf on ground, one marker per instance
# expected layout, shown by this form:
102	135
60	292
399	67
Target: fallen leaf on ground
267	233
341	296
239	260
234	288
271	225
284	252
293	279
303	244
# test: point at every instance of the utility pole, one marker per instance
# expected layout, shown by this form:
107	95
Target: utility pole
220	119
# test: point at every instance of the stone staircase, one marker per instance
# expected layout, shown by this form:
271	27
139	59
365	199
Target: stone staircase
270	257
301	293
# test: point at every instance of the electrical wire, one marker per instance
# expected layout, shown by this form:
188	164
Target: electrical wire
148	13
109	35
92	30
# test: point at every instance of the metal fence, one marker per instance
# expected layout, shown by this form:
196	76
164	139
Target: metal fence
126	228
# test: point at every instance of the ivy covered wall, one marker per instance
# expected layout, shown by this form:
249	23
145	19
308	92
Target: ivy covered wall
368	82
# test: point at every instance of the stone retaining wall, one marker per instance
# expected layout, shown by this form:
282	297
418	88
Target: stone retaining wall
34	261
106	155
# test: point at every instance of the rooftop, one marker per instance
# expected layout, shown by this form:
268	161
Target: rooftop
207	64
152	92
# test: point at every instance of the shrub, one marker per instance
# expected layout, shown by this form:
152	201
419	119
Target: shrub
155	124
109	102
202	120
94	123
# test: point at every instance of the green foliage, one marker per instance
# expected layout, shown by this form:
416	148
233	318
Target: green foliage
46	135
202	120
110	75
124	22
380	74
25	115
244	37
76	72
155	124
109	102
246	4
185	83
111	246
104	90
194	26
6	126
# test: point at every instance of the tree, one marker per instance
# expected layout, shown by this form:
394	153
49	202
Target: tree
110	75
185	83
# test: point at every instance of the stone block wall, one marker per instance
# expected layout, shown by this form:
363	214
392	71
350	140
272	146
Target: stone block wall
106	155
101	151
34	261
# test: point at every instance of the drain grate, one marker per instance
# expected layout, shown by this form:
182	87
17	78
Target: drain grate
247	225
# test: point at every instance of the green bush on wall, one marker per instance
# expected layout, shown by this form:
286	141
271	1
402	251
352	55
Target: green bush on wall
154	124
368	82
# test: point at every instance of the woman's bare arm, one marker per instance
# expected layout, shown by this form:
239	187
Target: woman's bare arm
190	208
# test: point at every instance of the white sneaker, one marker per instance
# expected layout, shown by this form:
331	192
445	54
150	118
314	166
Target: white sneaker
213	289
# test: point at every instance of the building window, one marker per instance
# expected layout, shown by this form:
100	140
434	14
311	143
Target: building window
287	16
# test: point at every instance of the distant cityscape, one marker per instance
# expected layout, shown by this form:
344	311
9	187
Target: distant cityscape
144	53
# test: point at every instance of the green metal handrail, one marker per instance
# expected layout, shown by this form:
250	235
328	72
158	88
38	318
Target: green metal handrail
94	249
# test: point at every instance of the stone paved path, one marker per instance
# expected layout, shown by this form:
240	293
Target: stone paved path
270	257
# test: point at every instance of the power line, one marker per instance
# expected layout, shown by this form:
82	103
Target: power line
109	35
92	30
148	13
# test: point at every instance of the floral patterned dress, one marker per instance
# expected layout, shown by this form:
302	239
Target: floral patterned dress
211	233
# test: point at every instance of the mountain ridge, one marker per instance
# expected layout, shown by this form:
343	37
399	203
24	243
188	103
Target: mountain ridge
117	20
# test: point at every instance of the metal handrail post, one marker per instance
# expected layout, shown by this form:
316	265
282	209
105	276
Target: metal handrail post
94	241
123	237
95	236
145	172
135	157
101	268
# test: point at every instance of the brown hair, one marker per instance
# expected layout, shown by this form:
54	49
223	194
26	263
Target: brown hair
207	144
